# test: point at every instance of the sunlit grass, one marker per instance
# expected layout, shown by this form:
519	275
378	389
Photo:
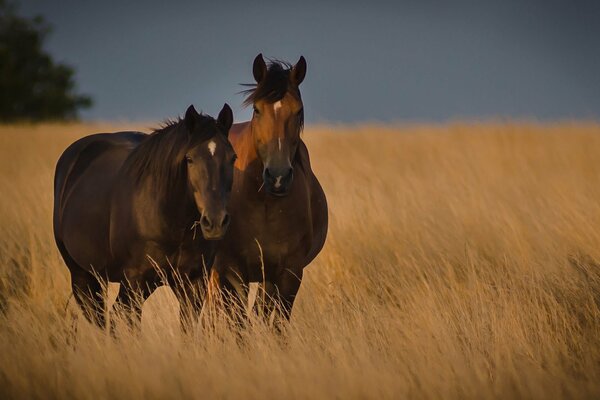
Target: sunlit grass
463	261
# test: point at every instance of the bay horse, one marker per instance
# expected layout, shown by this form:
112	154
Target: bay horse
278	208
127	206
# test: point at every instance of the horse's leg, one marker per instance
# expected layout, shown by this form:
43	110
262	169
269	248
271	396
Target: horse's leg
213	289
190	293
87	290
266	299
234	292
286	287
129	303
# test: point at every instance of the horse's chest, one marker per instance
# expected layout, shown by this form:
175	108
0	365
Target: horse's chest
193	258
278	232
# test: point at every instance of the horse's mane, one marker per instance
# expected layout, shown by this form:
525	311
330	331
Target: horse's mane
273	87
159	155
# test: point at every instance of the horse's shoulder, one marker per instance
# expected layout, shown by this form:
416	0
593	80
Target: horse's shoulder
303	158
312	181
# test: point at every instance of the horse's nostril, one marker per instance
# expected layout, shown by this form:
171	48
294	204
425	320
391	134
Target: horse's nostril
205	222
225	221
268	173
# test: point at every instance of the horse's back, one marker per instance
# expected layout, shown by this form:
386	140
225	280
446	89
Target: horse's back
238	128
84	178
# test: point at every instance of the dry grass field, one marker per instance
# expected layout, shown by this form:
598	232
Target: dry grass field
463	261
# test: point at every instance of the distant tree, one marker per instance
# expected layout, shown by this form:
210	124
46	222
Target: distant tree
32	85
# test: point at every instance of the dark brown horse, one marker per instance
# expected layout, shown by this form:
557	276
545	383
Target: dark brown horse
127	208
278	208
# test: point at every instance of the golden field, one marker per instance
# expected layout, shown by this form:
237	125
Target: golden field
463	261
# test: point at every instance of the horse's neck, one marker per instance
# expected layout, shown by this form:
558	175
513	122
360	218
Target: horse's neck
173	209
243	143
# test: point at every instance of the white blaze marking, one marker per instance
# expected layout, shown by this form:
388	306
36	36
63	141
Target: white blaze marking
278	182
279	141
212	146
276	106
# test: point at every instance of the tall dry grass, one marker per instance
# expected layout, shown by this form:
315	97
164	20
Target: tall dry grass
463	261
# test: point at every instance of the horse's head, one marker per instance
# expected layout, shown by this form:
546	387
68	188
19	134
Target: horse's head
209	160
277	120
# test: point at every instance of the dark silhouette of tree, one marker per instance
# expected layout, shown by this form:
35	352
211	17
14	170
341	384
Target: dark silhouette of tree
33	86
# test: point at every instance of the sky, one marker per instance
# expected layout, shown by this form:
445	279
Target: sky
368	61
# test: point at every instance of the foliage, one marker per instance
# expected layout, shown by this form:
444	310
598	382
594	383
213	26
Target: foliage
33	86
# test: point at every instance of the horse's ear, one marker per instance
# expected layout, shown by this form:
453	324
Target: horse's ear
191	116
299	71
225	118
259	68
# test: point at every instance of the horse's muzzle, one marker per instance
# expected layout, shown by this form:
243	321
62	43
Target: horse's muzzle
214	227
278	181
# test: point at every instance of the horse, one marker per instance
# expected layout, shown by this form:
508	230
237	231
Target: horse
278	208
143	210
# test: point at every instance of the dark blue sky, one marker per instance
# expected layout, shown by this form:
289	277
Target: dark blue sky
388	61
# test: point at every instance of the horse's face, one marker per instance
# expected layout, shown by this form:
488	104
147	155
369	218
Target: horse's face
276	128
209	166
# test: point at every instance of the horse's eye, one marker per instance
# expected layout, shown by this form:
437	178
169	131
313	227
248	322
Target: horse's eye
188	159
234	158
299	113
256	111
